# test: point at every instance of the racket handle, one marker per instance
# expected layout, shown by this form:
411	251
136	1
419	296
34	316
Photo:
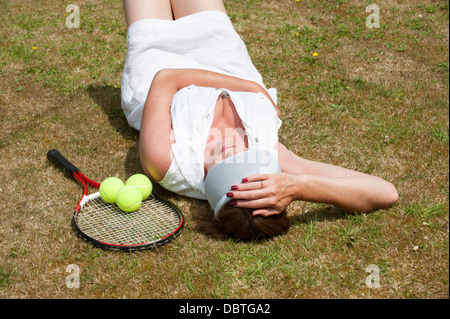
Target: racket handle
60	161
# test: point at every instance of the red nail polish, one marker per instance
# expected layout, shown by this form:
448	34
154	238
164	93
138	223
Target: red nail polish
244	180
234	187
233	202
229	194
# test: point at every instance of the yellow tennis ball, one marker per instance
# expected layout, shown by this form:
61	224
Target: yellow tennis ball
129	198
109	188
142	182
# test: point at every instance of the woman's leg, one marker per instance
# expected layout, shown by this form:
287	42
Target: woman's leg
182	8
144	9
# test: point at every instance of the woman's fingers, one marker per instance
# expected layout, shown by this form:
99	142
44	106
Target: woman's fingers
265	212
268	194
249	186
249	194
256	177
256	205
253	182
255	188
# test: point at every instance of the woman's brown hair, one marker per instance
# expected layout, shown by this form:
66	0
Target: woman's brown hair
240	224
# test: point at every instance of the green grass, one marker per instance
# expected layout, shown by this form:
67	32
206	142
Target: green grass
374	100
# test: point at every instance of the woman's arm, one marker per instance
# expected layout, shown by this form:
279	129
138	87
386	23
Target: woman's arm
353	194
185	77
313	182
156	135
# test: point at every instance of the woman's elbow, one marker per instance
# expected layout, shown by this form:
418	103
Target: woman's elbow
385	198
390	196
394	196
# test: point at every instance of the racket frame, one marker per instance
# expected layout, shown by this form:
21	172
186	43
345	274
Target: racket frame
56	158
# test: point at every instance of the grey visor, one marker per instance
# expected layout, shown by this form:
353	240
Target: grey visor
232	170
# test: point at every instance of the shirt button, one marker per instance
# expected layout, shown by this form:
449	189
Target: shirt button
208	115
256	140
261	95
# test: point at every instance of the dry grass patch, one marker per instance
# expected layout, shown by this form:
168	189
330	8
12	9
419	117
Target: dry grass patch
375	100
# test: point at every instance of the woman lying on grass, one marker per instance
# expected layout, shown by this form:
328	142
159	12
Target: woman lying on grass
209	126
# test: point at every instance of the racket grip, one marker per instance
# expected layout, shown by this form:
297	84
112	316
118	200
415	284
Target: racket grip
60	161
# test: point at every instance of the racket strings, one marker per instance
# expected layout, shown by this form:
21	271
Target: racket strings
106	223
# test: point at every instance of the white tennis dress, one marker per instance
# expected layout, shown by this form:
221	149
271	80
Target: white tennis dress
192	111
205	40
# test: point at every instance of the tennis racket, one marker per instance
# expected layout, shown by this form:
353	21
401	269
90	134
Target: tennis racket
155	223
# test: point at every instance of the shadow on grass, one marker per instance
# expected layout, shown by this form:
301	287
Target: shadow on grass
328	213
108	98
205	223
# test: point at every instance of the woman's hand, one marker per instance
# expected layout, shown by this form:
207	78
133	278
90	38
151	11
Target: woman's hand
270	194
267	194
